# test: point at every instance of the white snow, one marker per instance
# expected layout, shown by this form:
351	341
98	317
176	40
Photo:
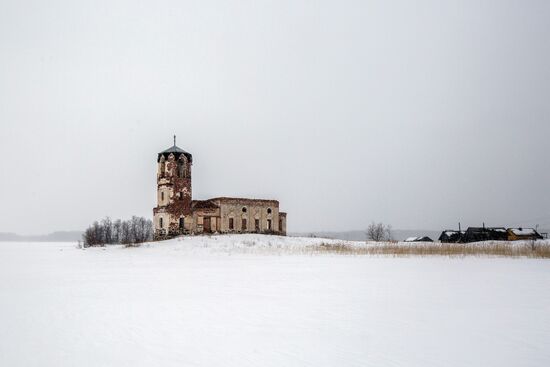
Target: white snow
411	239
450	233
523	231
216	302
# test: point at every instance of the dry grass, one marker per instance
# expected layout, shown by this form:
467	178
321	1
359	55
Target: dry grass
499	249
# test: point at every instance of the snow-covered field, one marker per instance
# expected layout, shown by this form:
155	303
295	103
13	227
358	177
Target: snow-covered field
218	302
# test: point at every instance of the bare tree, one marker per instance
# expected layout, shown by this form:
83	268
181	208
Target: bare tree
89	237
97	233
125	233
379	232
147	229
107	226
388	232
117	229
141	229
93	236
136	230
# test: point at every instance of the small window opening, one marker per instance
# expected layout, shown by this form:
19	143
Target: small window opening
181	168
268	210
243	225
231	226
257	225
161	224
269	224
244	209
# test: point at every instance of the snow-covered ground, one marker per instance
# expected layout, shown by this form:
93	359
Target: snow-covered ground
216	302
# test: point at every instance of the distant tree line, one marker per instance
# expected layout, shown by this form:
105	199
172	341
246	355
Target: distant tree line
127	232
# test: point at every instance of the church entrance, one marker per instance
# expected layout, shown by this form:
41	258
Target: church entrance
182	224
206	225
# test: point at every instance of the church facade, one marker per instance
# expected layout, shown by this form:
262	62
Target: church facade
177	213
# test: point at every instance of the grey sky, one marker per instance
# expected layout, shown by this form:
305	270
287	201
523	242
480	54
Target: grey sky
415	113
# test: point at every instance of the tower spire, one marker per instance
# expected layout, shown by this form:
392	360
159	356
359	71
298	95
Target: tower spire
174	140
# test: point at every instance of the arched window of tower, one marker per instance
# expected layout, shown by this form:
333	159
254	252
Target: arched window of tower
181	167
162	166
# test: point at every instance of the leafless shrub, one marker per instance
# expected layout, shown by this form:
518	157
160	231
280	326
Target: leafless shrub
132	244
93	236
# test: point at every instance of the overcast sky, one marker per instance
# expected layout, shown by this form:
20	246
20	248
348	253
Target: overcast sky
415	113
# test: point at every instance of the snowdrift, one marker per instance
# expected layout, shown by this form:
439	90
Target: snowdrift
268	244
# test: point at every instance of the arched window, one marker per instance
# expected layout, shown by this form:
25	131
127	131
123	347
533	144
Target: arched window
182	223
244	209
181	167
161	224
162	166
268	210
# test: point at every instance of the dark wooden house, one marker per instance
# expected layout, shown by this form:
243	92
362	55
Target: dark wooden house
478	234
450	236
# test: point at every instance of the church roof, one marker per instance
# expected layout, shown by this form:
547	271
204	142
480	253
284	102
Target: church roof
177	151
244	200
174	149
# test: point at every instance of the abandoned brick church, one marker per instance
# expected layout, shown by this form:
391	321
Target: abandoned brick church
176	213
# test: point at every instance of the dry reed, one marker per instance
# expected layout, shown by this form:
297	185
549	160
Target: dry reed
499	249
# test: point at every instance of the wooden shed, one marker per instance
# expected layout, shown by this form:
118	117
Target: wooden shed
517	234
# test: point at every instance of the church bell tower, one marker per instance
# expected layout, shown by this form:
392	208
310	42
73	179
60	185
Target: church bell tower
172	215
